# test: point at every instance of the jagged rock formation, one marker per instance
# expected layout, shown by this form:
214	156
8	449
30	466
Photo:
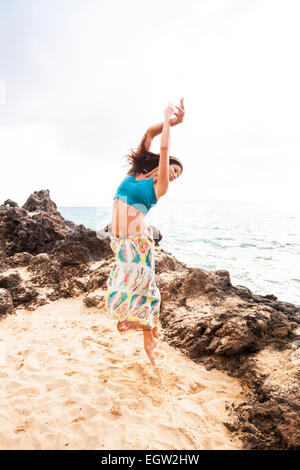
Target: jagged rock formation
54	251
253	337
229	328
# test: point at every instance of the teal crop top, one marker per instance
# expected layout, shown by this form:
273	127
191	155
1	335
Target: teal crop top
140	194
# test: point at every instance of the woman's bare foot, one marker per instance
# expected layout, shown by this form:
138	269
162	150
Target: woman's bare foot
149	344
155	332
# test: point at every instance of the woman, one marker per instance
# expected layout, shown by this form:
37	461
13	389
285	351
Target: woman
132	296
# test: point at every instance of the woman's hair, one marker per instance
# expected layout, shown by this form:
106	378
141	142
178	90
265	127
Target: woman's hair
143	161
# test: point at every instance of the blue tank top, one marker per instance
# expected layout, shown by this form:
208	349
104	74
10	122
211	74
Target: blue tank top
140	194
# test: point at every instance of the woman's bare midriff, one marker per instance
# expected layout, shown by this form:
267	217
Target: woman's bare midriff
126	220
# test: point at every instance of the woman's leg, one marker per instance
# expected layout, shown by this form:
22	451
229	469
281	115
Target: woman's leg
150	342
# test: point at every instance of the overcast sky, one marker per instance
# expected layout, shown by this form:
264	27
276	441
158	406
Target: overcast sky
80	82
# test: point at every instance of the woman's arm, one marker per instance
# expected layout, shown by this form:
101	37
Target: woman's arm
165	143
150	133
146	140
156	129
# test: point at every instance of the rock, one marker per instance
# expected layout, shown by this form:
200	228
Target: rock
9	280
80	247
10	203
98	277
40	201
166	262
243	291
80	284
249	428
47	274
222	279
3	262
104	234
20	259
107	228
231	341
71	225
39	260
38	228
290	429
157	236
271	412
231	426
32	232
6	303
24	294
270	297
65	279
93	300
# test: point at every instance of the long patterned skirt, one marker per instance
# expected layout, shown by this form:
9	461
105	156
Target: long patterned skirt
132	296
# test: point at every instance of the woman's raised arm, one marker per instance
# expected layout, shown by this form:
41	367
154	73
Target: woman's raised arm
156	129
146	140
165	143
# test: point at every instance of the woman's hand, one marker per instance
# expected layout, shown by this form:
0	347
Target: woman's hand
179	114
169	111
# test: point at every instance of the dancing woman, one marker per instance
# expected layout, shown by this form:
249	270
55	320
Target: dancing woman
132	296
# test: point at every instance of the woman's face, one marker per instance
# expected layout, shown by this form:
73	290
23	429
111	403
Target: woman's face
174	171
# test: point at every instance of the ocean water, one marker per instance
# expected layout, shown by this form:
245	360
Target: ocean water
259	245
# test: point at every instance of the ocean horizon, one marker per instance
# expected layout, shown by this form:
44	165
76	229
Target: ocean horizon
258	244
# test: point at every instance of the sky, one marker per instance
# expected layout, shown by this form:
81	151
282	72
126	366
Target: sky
81	81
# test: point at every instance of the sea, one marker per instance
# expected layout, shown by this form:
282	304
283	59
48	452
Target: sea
258	244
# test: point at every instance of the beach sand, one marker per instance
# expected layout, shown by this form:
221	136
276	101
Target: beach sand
70	381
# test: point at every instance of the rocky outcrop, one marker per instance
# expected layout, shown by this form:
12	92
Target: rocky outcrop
214	318
33	228
229	328
256	338
54	252
40	201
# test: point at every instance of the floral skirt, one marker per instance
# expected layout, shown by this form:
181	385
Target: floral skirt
132	296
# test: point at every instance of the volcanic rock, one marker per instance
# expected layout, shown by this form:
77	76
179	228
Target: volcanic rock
10	203
6	303
92	300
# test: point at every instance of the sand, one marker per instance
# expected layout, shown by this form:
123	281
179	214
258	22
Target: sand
70	381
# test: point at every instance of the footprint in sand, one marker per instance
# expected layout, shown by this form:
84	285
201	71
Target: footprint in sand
114	360
20	429
77	420
116	410
196	387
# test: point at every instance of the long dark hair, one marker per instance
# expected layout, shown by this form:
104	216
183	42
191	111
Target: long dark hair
142	160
